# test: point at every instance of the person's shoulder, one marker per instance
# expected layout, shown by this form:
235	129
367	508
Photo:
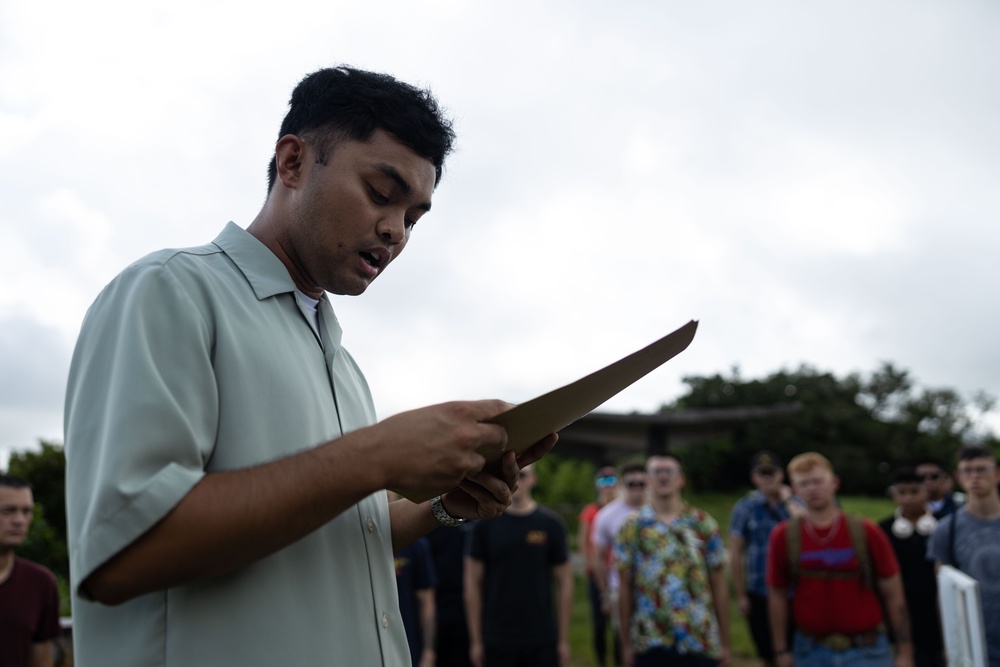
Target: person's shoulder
34	571
550	515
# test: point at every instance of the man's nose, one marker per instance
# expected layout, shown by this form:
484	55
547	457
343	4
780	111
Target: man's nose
392	228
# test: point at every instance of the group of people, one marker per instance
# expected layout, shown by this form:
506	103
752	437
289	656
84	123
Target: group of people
816	585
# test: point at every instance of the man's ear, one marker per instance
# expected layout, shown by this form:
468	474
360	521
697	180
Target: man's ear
290	158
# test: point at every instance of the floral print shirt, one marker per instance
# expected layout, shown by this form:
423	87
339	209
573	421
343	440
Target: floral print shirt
669	565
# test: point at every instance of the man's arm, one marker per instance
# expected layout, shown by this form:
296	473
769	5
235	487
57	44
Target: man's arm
720	602
625	605
564	608
474	570
737	549
428	626
41	654
233	518
895	606
483	495
777	608
583	543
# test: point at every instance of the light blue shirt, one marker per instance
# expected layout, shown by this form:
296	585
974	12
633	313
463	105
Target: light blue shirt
202	360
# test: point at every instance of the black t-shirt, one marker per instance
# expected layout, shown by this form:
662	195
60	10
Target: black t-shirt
518	554
920	587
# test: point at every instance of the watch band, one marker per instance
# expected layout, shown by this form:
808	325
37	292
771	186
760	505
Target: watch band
441	514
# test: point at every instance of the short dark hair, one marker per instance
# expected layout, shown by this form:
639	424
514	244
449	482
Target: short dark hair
634	467
338	103
931	461
14	482
906	476
969	452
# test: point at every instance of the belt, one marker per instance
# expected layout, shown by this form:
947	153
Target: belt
837	641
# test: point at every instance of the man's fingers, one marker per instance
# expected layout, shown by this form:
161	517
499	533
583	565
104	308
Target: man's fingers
537	450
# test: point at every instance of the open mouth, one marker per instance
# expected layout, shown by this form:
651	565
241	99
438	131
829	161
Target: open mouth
372	259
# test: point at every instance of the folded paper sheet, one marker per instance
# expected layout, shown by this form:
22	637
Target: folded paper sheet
529	422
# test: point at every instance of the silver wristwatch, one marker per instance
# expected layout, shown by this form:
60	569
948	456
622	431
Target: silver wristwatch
439	512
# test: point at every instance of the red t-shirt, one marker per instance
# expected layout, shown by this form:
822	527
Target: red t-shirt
587	515
826	605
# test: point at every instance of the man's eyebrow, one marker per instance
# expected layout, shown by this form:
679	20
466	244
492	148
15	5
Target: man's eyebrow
394	174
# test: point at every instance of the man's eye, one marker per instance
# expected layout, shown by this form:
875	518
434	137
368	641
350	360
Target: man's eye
410	222
377	196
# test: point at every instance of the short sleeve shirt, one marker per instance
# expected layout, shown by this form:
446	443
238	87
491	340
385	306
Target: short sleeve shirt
670	564
29	611
753	519
204	360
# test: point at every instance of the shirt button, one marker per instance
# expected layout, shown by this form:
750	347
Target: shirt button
385	620
371	525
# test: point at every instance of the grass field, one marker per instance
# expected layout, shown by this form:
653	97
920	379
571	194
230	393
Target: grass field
719	506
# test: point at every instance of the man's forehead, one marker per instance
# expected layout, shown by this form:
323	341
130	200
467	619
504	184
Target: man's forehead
12	496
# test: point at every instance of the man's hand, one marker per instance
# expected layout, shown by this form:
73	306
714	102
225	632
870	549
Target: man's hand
745	604
784	659
426	452
476	654
564	654
628	655
486	494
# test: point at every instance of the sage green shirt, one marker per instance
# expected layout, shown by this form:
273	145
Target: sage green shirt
201	360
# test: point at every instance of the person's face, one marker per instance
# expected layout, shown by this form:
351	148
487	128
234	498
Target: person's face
979	477
635	487
911	497
767	479
17	508
936	481
525	482
605	494
665	476
353	216
816	487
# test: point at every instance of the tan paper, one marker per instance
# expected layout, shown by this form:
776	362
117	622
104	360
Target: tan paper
529	422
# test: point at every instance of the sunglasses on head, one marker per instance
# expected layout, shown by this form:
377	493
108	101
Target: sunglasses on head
636	484
603	482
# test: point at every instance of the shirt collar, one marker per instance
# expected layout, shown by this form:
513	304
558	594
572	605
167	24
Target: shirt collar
261	267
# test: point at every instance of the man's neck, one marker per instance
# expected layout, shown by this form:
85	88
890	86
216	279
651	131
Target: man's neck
522	506
823	517
913	514
667	507
6	564
984	507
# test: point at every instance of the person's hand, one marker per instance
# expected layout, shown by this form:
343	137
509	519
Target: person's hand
564	654
428	658
628	655
605	606
723	658
476	654
486	494
426	452
903	659
784	659
745	604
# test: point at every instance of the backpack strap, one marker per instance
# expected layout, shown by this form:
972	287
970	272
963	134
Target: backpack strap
859	540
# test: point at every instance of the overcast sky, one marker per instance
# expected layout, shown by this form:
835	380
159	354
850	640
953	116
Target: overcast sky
815	182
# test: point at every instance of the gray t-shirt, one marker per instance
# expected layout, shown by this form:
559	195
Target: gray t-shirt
203	360
977	553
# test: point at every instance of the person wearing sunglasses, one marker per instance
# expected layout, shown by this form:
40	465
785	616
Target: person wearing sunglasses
606	526
943	501
606	486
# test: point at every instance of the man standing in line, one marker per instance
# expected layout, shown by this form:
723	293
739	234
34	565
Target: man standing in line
908	530
938	483
606	484
607	523
448	555
969	539
222	456
673	594
29	597
834	564
509	572
754	517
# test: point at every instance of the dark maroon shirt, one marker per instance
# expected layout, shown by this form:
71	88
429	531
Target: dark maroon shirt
29	612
